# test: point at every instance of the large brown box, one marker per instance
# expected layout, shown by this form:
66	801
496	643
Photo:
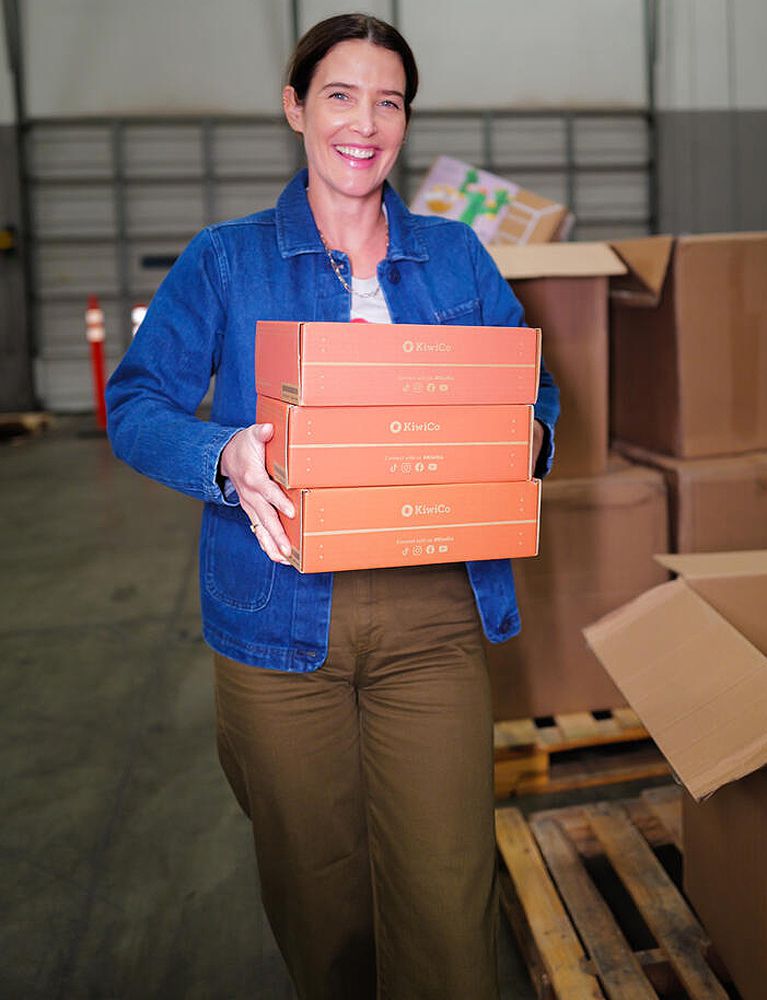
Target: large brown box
691	658
689	345
564	290
715	504
725	875
598	538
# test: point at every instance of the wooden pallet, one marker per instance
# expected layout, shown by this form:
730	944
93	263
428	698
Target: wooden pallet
573	751
594	911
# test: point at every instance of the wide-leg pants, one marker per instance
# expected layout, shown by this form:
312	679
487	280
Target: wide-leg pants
369	787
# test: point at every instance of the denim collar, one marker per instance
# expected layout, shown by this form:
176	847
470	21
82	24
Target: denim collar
297	232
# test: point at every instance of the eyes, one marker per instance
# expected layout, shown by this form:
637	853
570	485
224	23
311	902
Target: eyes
344	97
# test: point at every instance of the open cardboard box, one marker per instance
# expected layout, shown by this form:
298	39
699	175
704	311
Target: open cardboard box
690	656
564	290
689	344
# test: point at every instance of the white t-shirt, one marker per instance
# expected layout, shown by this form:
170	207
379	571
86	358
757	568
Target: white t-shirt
372	309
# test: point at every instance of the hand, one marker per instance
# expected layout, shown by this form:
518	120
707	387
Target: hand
537	441
242	461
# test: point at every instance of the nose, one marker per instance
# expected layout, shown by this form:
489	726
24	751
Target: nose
366	122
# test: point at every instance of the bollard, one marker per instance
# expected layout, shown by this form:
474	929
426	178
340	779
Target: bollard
94	331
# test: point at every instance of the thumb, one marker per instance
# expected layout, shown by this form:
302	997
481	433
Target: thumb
263	432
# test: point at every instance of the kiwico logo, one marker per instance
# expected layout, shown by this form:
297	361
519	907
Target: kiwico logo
397	426
409	509
422	347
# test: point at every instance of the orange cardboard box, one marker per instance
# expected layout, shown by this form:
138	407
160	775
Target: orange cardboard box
392	445
361	364
374	526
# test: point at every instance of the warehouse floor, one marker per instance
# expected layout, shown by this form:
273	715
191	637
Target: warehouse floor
126	868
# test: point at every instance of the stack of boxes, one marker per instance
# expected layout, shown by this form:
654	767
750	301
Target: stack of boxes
687	365
602	519
689	392
659	347
689	347
401	445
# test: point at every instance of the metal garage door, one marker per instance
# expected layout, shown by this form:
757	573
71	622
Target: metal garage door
113	201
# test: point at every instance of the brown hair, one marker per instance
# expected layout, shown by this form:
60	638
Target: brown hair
320	39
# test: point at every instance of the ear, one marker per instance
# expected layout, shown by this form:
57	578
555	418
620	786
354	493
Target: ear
293	108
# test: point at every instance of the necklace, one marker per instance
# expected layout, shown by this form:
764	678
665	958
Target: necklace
337	269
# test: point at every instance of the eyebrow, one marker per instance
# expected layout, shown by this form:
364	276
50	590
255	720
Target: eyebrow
353	86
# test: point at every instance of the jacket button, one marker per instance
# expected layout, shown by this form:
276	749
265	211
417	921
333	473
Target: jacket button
394	275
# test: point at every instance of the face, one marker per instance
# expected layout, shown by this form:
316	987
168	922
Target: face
352	118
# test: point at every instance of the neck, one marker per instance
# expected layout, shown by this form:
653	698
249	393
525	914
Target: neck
349	224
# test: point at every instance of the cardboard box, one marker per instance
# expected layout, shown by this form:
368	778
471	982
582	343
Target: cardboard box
715	504
361	364
498	210
564	290
374	526
691	658
598	537
689	345
393	445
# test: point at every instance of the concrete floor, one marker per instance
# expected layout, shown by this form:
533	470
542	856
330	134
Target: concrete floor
126	868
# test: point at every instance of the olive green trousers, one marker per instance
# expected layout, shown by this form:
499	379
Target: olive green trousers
369	787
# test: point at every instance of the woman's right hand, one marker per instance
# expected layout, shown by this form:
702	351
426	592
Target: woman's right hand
242	461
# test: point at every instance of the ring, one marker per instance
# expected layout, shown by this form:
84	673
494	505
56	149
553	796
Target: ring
254	528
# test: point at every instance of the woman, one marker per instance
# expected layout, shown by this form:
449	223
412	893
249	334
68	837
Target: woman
354	718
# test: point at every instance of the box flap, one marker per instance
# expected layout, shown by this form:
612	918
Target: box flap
700	565
647	261
696	683
556	260
734	584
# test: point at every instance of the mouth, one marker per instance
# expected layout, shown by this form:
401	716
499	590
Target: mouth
357	155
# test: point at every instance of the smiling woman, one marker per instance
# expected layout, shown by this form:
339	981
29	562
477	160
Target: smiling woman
353	711
353	124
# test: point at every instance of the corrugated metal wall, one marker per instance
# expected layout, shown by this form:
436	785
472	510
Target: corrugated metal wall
113	201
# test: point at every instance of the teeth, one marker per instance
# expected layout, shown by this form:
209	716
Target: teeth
358	154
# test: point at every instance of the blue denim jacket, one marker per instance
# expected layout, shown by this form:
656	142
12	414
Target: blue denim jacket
202	322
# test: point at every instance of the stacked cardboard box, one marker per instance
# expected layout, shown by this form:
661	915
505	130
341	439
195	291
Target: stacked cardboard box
691	658
401	445
689	388
678	385
603	521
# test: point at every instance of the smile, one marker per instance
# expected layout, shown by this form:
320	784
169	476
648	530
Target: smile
356	152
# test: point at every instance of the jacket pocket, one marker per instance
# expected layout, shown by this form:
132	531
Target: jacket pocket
464	314
234	569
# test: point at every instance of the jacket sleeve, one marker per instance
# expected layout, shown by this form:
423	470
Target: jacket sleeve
154	393
501	307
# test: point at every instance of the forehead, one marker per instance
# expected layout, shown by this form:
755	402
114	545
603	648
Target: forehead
360	63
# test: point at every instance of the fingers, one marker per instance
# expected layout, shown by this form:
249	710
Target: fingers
268	544
271	535
243	461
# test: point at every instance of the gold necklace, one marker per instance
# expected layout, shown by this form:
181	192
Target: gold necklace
337	269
